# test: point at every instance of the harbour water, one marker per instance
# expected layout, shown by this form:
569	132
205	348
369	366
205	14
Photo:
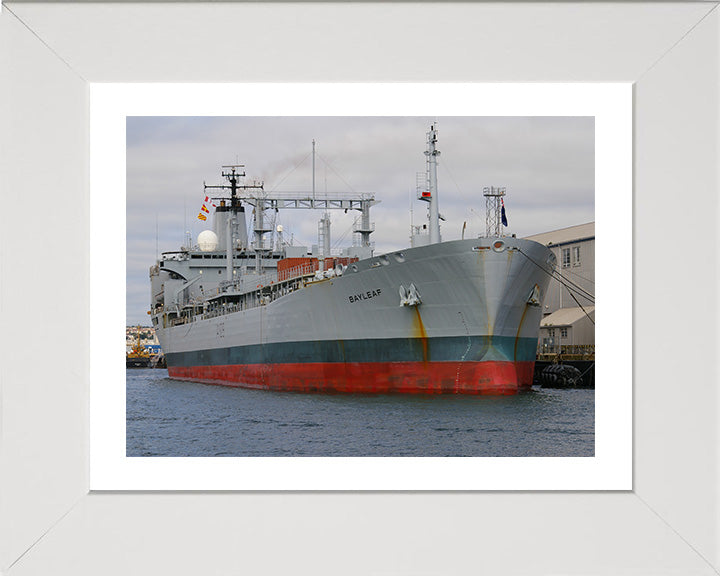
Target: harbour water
172	418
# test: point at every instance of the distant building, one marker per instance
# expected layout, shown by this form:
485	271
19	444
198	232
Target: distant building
148	338
569	304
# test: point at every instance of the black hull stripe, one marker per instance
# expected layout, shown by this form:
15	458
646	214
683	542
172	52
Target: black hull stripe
449	349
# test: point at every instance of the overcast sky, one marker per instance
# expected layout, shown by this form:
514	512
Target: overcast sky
546	163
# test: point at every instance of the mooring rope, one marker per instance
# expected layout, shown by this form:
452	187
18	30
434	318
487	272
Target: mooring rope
571	287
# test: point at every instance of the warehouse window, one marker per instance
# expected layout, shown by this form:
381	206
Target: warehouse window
565	257
576	255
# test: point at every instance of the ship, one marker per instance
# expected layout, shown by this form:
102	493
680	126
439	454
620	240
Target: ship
439	317
138	357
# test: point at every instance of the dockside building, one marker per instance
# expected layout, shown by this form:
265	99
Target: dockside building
568	313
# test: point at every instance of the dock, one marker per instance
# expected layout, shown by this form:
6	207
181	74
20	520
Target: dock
581	357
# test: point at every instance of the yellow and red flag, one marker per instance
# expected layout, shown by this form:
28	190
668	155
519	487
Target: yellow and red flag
204	208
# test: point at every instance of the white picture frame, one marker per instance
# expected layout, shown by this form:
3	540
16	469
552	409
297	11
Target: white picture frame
668	523
608	468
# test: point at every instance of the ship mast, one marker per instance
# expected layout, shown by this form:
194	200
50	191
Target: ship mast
313	168
233	177
433	212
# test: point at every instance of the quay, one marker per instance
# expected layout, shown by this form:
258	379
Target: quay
581	357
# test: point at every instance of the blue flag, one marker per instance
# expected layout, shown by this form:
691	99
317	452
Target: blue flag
502	213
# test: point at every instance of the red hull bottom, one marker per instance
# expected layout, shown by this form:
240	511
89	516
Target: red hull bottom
496	378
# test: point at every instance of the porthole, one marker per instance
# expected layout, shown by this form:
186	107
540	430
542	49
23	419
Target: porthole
498	246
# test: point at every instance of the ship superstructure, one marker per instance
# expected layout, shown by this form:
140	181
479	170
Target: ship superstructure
459	316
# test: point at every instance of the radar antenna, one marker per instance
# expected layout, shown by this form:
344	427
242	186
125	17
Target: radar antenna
233	177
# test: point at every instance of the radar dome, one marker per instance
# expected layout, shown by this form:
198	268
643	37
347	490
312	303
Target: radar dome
207	241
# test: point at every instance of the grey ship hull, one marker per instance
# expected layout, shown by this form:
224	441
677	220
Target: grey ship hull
471	325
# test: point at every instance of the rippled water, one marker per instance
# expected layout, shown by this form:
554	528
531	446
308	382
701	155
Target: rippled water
172	418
